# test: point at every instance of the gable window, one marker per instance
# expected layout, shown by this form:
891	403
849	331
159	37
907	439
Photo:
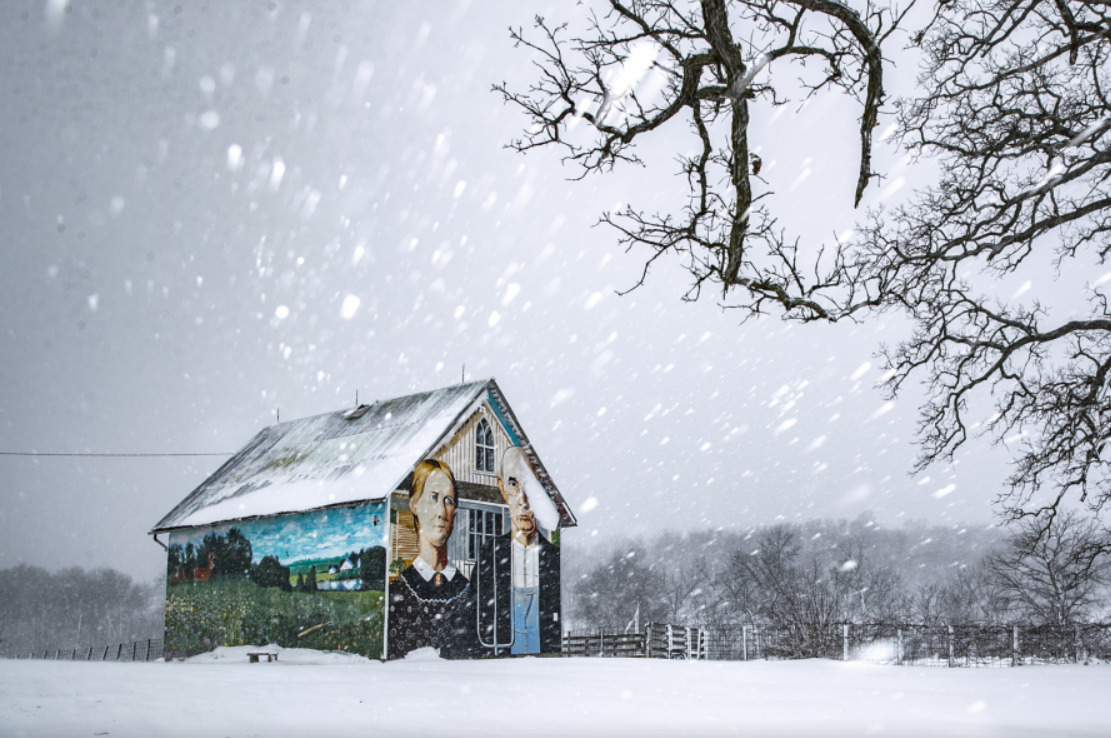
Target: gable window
484	447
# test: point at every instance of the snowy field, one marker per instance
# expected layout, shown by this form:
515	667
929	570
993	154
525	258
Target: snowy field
307	693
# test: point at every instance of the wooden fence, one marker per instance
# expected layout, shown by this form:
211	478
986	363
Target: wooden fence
658	641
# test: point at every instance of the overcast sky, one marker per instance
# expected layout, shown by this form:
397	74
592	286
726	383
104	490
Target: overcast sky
209	211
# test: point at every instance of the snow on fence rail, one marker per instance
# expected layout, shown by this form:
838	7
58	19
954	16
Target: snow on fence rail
148	650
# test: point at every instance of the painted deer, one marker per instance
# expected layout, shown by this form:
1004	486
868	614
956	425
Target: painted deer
204	573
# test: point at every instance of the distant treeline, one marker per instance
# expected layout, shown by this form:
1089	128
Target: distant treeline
810	575
75	608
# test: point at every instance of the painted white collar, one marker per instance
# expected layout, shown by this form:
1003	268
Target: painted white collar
427	572
526	546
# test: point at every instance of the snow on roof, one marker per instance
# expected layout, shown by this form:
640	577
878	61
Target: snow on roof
342	457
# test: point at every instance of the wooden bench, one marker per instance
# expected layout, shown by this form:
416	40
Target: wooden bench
269	656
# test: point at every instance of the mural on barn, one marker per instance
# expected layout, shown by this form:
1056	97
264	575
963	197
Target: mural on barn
481	579
426	520
308	580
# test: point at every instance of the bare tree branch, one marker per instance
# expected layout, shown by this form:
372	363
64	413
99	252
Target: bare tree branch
1011	101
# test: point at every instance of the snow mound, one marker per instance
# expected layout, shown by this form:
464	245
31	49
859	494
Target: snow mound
423	654
239	655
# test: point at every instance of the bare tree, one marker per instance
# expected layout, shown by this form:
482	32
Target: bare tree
610	593
712	59
684	576
1012	102
868	592
739	595
787	592
971	595
1057	574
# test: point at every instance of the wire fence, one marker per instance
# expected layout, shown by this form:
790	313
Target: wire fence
916	644
148	650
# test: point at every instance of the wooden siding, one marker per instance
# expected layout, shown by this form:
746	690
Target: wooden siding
403	536
458	452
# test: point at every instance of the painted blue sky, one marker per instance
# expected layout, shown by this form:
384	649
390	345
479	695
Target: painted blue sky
311	535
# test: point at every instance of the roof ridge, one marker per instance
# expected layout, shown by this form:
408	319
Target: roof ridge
476	383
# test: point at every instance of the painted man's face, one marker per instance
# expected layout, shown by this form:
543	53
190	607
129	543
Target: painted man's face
512	486
435	509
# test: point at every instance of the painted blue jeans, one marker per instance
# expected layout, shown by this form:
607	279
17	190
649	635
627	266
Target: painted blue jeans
526	620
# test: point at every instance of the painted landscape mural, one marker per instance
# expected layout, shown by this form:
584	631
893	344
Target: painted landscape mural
308	580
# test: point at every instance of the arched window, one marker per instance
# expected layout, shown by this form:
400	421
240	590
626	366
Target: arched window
484	447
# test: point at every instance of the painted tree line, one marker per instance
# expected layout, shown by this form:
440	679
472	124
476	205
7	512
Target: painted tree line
229	556
817	574
75	607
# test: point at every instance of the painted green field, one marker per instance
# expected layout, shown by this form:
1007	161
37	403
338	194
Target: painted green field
203	615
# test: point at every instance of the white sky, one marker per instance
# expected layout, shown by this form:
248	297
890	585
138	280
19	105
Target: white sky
210	211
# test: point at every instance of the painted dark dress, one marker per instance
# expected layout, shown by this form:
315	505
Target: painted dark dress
492	583
423	613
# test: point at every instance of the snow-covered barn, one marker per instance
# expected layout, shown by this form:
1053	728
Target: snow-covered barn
424	520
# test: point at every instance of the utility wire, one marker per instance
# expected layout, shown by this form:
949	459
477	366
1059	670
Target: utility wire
35	453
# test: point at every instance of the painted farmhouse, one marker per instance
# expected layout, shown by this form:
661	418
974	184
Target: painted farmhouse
422	521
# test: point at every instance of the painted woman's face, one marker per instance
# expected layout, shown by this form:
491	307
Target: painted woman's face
435	508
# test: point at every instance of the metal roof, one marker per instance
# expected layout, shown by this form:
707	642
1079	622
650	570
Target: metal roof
349	456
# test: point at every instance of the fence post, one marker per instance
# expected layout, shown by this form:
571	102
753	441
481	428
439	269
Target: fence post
148	650
104	656
119	651
1076	642
744	641
1014	647
950	646
845	642
899	652
134	648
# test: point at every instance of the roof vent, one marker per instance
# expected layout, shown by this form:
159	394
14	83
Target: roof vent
357	412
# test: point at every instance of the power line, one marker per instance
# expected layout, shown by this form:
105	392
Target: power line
35	453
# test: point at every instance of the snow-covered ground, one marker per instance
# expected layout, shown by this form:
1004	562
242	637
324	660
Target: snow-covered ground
308	693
